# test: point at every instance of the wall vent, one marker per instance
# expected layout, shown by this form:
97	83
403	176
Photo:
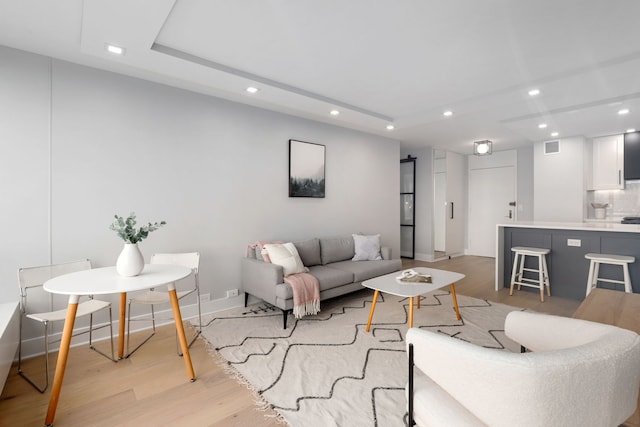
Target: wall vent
551	147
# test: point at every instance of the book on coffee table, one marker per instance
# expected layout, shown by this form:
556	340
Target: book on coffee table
412	276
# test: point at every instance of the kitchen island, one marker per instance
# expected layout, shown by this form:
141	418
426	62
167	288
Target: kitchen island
569	242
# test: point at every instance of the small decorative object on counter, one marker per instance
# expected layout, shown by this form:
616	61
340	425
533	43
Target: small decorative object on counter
131	262
600	210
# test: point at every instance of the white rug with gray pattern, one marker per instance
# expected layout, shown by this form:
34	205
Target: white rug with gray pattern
325	370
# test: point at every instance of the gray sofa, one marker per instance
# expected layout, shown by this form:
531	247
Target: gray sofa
327	258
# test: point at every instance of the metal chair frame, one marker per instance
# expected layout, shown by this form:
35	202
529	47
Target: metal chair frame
31	278
154	297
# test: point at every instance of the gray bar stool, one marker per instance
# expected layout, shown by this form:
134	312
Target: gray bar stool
594	270
517	273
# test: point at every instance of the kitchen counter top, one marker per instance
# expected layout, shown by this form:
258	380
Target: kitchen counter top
580	226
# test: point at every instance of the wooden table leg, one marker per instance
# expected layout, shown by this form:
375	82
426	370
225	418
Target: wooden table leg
373	307
455	300
123	312
63	354
411	311
419	302
177	317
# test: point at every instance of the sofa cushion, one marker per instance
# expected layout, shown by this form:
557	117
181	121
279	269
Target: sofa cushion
327	277
367	247
309	251
337	248
330	277
285	255
365	270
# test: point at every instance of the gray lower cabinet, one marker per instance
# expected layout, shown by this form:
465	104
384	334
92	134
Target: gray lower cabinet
568	268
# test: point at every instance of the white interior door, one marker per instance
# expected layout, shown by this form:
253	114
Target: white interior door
440	211
491	191
455	205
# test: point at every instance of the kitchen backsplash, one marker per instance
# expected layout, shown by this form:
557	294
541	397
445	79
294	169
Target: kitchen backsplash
621	202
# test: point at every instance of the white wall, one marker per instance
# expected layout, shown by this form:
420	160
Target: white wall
559	181
95	144
524	188
24	165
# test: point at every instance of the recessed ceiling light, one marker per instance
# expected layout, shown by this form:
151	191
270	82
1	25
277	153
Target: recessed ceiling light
334	112
542	125
448	113
534	92
554	134
116	50
390	127
252	89
623	111
631	130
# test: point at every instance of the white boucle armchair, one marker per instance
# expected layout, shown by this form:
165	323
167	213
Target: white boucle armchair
576	373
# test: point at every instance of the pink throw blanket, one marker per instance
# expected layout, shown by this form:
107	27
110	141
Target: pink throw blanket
306	294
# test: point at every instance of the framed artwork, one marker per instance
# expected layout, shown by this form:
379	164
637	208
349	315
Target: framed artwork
306	169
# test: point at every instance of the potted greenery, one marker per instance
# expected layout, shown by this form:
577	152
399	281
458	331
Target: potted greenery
131	262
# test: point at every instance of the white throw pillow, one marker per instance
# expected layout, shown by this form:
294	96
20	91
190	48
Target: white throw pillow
367	247
286	255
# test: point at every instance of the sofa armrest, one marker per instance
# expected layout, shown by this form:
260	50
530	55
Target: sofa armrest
260	278
385	252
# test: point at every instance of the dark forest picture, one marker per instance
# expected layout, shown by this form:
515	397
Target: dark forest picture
306	169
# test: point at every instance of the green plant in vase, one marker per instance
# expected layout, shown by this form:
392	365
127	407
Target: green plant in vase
131	262
126	228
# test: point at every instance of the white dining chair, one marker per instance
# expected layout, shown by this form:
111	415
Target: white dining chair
158	296
35	305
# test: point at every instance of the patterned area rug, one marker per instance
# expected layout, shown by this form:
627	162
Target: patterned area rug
325	370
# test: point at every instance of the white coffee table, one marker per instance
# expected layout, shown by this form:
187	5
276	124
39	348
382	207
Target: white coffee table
391	285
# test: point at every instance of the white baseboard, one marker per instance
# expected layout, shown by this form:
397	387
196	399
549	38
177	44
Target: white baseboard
431	258
424	257
35	346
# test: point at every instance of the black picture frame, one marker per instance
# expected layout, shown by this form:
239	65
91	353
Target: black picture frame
306	169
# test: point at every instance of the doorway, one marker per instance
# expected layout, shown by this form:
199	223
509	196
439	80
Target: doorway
492	196
448	204
439	214
407	207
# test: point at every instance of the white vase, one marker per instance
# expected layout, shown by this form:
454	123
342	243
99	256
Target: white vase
130	262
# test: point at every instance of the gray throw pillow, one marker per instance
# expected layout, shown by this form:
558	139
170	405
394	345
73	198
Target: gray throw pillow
367	247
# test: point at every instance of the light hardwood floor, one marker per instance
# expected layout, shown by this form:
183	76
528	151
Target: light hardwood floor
151	387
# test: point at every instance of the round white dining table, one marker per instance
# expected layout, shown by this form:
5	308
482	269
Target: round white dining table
101	281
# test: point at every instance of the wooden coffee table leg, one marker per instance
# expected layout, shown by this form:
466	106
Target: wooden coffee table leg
419	302
411	311
373	307
455	300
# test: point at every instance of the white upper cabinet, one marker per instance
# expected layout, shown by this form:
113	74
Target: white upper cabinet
608	163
